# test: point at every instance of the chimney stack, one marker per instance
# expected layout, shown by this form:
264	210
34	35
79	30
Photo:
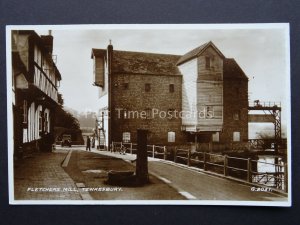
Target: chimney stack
48	42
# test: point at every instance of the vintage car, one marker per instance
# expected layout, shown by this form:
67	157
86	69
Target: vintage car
66	140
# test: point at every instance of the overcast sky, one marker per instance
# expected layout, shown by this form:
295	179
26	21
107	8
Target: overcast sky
260	52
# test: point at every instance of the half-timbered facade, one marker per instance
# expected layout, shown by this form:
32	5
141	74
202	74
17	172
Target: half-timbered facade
35	79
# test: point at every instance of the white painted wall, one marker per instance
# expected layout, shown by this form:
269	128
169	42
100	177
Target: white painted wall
189	93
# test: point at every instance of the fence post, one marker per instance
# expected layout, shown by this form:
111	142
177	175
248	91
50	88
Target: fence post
225	165
286	177
204	160
249	172
189	158
153	151
131	148
175	154
165	153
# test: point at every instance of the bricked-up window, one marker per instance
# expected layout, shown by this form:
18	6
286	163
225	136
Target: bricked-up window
147	87
236	136
171	136
207	62
126	137
125	86
25	112
236	115
171	88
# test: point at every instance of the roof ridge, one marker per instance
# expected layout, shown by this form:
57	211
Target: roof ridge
152	53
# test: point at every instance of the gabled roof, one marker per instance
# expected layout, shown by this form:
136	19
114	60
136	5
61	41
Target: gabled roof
231	70
145	63
196	52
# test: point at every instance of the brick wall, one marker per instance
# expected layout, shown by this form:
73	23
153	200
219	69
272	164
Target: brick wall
235	101
128	92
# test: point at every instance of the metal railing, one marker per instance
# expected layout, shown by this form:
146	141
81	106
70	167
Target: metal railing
264	104
228	166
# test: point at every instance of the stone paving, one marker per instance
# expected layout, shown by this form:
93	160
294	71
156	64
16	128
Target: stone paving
41	177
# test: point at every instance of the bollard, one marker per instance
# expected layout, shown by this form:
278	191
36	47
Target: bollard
153	150
225	165
131	148
112	147
249	172
175	154
165	153
142	157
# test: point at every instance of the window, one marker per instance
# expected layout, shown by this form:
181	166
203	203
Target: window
171	136
125	114
216	137
147	87
126	137
207	62
25	115
236	116
125	86
236	136
171	88
40	121
46	122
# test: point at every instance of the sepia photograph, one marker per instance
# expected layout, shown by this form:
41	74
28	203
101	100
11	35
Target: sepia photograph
169	114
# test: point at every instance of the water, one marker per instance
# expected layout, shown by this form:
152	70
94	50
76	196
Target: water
270	171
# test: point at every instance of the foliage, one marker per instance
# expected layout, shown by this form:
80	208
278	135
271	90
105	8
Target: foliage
65	119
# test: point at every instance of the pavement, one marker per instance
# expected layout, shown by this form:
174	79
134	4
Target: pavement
74	174
41	177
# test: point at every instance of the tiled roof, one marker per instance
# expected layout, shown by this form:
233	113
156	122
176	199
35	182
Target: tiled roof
232	70
191	54
145	63
195	52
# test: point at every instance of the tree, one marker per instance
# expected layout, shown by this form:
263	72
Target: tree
66	123
65	119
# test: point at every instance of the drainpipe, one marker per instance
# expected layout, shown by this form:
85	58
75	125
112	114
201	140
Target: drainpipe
110	114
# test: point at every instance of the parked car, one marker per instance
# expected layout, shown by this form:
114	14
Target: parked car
66	140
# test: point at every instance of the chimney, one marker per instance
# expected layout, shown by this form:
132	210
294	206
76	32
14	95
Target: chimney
48	42
109	56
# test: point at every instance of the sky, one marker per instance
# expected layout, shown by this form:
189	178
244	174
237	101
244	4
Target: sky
261	51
